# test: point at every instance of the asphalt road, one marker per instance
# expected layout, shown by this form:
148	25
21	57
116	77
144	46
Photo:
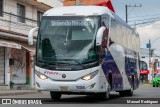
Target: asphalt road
144	91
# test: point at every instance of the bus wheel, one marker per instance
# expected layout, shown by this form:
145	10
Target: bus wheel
129	92
55	95
106	95
153	85
122	93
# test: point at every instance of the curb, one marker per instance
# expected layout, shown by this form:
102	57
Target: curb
17	92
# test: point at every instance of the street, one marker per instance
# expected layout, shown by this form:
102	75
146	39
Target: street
144	91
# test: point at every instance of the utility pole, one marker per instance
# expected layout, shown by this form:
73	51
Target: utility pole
149	46
151	63
151	69
126	6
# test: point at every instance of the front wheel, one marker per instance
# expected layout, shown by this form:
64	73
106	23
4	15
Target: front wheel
122	93
106	95
129	92
55	96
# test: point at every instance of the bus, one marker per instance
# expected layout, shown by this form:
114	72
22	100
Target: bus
86	50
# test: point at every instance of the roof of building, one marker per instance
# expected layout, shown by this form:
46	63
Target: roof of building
41	3
12	32
37	4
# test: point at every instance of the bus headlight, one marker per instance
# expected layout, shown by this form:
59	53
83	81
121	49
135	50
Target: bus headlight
43	77
90	75
40	75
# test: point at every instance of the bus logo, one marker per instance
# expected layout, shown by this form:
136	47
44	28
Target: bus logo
63	76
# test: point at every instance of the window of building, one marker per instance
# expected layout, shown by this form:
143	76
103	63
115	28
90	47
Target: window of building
143	65
1	7
21	13
39	17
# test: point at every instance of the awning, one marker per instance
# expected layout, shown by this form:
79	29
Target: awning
10	44
32	48
17	45
144	71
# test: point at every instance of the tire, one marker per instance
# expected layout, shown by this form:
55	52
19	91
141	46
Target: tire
129	92
55	96
153	85
110	81
122	93
156	85
105	96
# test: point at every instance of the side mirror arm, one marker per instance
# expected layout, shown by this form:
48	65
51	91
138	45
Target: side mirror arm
99	36
30	35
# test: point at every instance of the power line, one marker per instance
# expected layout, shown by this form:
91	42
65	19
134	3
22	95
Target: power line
154	18
126	7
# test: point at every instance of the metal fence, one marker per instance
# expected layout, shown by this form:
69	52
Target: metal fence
13	22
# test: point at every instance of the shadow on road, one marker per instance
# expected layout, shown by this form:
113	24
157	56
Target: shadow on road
84	99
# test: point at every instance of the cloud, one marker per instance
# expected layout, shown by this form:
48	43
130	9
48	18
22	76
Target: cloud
152	32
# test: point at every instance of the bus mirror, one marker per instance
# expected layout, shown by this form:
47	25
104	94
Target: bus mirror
100	36
30	35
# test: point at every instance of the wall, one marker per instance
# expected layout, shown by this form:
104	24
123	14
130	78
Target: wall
19	66
2	60
52	3
85	2
9	22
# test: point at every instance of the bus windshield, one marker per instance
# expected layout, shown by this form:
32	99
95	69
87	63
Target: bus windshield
67	39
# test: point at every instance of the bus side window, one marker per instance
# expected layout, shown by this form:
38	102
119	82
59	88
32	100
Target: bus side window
105	23
105	38
103	48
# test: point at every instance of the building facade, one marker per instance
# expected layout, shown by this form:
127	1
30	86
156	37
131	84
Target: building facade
83	2
17	17
56	3
148	66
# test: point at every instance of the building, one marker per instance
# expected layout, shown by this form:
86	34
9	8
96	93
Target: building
83	2
148	68
17	17
52	3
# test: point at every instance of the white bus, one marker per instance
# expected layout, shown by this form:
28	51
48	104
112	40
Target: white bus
85	50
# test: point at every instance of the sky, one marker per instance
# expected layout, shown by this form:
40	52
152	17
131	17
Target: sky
146	18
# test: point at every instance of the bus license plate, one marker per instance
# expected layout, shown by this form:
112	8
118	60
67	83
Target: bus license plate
64	88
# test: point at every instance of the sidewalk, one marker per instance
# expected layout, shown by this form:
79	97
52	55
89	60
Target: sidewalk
17	92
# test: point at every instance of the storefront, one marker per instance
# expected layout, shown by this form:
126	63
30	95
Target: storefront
16	63
18	66
143	72
144	75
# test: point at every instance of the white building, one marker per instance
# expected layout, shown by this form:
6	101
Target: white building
17	17
153	65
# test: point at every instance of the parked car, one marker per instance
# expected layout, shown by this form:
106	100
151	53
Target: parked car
156	80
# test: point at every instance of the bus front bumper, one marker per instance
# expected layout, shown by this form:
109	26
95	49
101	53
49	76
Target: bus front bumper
95	85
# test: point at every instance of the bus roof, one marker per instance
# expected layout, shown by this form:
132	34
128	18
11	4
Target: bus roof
85	11
78	11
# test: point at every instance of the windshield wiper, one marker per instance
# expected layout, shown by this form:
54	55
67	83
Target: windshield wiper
76	62
47	63
55	62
